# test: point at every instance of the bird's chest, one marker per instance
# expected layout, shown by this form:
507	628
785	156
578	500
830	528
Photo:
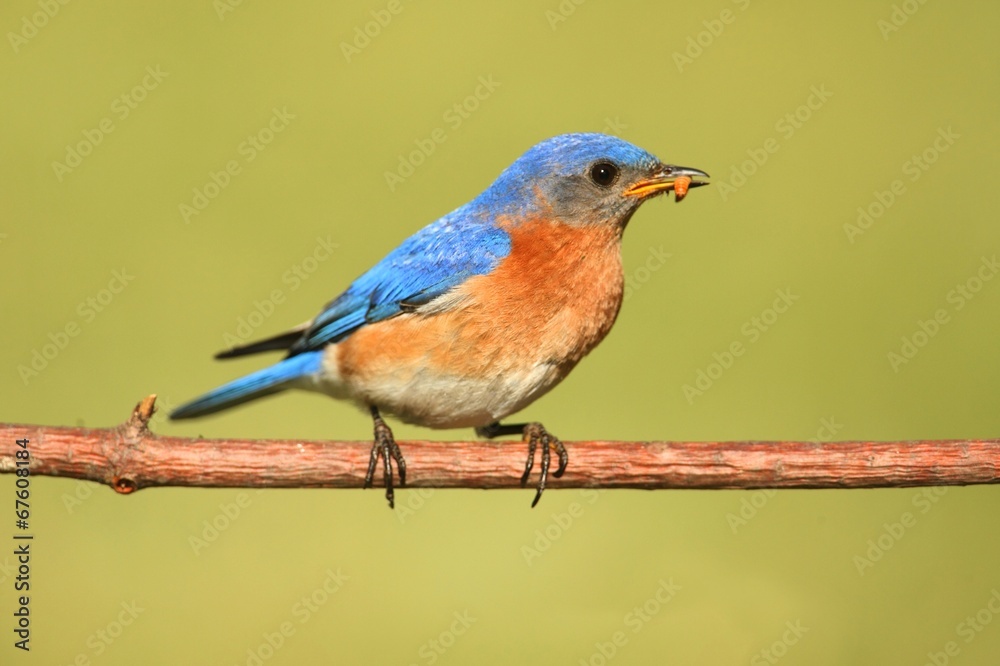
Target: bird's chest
553	298
500	340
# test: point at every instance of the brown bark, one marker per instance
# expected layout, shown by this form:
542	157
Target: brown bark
130	457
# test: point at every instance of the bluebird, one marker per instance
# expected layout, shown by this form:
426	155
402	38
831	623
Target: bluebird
480	313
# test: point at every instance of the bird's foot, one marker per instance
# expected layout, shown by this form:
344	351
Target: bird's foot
385	447
534	434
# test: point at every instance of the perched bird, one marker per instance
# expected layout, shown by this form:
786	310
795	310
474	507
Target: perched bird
481	312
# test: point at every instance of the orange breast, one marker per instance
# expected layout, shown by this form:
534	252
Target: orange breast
551	300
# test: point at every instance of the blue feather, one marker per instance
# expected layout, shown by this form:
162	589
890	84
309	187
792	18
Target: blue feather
515	191
257	385
441	256
462	244
429	263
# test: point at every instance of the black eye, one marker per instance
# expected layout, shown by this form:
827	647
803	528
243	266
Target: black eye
604	173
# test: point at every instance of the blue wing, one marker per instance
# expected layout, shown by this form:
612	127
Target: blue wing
437	258
428	264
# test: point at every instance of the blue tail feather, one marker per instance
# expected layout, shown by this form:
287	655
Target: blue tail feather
256	385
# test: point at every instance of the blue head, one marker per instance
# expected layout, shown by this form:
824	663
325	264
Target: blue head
582	179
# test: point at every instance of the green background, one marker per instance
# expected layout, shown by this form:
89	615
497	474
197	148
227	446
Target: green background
821	369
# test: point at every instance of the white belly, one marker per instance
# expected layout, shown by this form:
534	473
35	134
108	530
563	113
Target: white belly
434	400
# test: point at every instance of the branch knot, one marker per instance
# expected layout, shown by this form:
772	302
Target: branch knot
127	444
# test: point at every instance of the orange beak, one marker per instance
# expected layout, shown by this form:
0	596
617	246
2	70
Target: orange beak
663	181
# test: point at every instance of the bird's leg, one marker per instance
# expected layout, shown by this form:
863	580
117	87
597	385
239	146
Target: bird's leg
534	434
499	429
385	447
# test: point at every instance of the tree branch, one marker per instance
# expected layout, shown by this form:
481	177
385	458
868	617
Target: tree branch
130	457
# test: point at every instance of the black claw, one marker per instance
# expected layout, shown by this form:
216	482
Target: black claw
563	457
533	434
372	463
385	447
546	461
400	463
537	433
387	472
532	445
